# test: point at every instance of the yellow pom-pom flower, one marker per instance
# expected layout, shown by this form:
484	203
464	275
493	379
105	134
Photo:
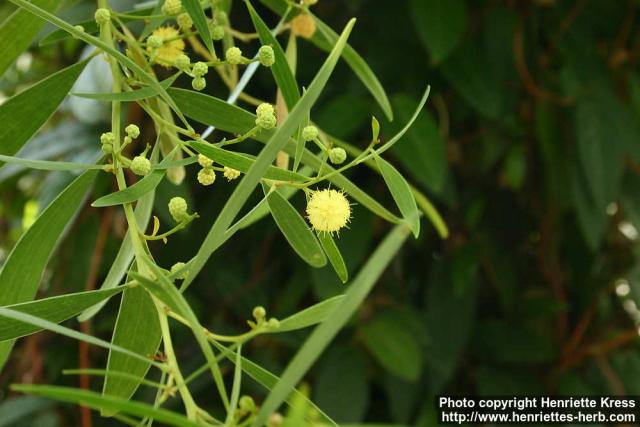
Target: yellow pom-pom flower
231	173
172	47
328	210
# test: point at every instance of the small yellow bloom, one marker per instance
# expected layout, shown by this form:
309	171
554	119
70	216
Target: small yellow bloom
303	25
173	47
328	210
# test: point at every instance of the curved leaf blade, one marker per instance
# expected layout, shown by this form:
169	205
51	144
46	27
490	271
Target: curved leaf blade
23	114
132	95
48	165
54	309
22	271
401	193
295	230
196	13
132	193
334	255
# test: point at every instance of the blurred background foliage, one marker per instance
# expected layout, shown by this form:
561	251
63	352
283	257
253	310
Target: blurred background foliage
529	146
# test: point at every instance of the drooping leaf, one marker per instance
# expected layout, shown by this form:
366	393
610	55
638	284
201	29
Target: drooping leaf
334	255
440	25
295	230
23	114
401	193
54	309
23	269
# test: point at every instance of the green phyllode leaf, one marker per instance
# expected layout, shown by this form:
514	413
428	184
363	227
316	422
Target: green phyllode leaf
23	114
23	269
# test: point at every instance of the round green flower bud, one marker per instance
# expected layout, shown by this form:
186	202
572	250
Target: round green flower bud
172	7
265	108
154	42
198	83
309	133
140	165
107	138
266	121
178	266
259	313
247	404
178	209
217	32
206	176
102	16
199	69
107	148
337	155
184	21
234	56
221	17
266	56
273	323
231	173
132	131
204	161
79	28
182	61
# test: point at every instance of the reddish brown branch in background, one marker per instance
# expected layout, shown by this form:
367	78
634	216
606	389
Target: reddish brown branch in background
523	71
614	380
92	276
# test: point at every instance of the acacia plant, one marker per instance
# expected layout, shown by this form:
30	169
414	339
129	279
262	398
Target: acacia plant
189	41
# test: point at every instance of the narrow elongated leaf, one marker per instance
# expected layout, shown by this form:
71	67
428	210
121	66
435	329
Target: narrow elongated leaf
54	309
196	13
280	69
132	193
334	255
48	165
23	114
17	32
243	162
59	329
123	259
22	271
401	193
310	316
267	155
138	330
132	95
106	403
295	230
326	331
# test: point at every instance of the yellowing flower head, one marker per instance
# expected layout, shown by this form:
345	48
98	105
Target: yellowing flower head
172	47
328	210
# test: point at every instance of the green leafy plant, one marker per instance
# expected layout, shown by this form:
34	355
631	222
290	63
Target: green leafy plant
298	160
